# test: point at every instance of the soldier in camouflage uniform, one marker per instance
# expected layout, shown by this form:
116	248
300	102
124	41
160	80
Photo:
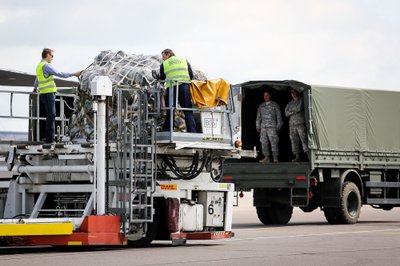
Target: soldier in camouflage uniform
268	123
297	127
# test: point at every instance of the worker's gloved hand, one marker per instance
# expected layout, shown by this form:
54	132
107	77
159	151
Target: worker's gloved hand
77	74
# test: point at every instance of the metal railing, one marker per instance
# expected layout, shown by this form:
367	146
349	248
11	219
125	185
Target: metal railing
134	162
33	116
228	110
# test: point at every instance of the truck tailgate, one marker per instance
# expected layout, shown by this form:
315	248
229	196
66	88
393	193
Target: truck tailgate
247	175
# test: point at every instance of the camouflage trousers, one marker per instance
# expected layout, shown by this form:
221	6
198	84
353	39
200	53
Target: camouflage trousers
267	136
297	132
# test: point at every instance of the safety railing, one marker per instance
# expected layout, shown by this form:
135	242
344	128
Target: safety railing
33	116
224	110
134	163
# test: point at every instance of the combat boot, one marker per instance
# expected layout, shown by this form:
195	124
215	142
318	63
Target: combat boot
275	159
296	158
265	160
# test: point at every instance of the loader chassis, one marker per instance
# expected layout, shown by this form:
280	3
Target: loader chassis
161	186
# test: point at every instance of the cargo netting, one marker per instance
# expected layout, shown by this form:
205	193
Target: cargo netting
131	71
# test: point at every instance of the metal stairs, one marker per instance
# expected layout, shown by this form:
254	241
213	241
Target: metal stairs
134	163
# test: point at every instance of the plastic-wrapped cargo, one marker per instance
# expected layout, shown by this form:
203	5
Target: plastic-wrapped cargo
133	71
123	69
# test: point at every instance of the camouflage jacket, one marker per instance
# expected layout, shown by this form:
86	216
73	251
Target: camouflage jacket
269	115
295	111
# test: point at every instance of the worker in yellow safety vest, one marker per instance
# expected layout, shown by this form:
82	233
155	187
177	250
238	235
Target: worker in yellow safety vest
46	86
177	70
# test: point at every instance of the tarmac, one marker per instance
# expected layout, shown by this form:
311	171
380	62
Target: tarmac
307	240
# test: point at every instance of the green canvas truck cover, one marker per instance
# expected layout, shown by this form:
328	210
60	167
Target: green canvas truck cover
348	119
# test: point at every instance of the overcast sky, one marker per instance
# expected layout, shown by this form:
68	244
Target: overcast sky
332	42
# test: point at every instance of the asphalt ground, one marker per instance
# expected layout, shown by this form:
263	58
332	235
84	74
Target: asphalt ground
307	240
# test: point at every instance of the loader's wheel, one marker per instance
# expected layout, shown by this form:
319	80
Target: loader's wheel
150	236
350	206
276	214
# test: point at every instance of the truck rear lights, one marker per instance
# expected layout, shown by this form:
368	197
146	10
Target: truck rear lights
228	178
301	178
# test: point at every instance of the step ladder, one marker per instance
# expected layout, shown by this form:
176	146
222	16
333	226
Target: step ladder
299	197
134	164
142	183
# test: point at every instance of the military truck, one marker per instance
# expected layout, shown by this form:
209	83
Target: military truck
353	157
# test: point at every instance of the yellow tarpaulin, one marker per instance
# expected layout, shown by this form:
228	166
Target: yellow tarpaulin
210	93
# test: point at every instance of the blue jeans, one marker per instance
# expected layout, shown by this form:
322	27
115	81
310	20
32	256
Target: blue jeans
49	102
184	99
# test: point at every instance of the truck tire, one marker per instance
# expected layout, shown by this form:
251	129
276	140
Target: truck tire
308	208
312	205
331	215
265	215
386	207
282	213
350	206
276	214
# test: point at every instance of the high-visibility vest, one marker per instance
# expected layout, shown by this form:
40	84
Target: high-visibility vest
45	85
176	69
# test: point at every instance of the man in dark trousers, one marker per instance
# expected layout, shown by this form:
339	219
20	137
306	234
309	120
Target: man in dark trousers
177	69
47	88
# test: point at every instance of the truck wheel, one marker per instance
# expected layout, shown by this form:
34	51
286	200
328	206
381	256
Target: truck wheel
331	215
350	203
265	215
386	207
312	205
282	213
350	206
308	208
276	214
